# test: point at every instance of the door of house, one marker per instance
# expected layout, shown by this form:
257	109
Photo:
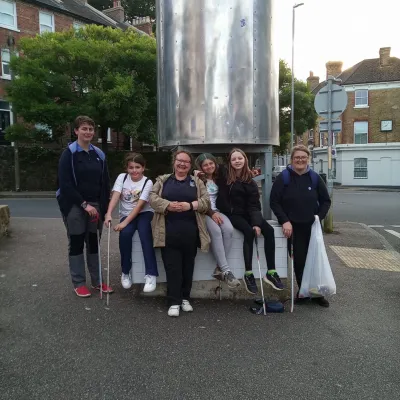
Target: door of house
4	123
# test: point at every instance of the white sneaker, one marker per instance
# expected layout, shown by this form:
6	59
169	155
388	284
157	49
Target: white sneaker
186	306
150	283
126	281
173	311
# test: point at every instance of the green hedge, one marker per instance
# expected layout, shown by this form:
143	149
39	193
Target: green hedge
38	167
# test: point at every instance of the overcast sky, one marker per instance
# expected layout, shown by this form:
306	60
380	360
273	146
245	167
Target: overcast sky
355	30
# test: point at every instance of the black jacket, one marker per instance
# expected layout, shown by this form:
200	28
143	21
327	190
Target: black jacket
299	202
72	194
238	198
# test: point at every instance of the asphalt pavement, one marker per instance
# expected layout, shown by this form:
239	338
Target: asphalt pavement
378	209
54	345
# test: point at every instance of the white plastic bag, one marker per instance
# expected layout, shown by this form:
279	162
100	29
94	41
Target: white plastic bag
317	277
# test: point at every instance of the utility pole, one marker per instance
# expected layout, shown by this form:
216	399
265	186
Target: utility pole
292	104
11	46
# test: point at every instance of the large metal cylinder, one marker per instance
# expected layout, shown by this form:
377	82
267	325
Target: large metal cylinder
217	73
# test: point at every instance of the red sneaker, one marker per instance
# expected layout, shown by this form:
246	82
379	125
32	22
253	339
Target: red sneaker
104	287
82	291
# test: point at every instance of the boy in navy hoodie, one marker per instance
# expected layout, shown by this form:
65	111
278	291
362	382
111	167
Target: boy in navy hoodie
83	195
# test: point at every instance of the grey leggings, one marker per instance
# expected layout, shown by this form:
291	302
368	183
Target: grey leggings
221	240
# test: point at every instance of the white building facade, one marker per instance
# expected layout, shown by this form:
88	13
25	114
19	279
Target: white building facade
373	164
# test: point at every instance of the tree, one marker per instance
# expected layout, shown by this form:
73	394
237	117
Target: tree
305	116
105	73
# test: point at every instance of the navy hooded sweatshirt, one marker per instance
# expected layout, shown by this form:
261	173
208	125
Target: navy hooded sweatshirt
298	202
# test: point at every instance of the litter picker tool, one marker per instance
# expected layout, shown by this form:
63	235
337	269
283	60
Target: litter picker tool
259	271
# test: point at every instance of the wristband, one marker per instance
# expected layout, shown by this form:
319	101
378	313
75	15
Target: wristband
191	206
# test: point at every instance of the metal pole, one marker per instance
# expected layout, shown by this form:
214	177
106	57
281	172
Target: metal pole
292	105
328	222
266	162
11	46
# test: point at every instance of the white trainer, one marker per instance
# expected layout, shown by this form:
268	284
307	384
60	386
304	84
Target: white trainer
150	283
186	306
126	281
173	311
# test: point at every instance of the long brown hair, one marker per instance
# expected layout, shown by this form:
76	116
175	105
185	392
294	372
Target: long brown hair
245	174
200	160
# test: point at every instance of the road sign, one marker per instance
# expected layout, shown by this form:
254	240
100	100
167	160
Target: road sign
338	105
336	126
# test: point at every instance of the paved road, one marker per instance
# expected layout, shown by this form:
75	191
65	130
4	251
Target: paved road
379	210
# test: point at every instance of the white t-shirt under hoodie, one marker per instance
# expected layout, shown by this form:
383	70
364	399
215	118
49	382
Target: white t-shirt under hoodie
131	193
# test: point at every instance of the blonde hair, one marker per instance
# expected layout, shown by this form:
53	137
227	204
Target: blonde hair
300	147
246	175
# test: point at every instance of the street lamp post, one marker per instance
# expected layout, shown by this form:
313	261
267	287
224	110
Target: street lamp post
292	106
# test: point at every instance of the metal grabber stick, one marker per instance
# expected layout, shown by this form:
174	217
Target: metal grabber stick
259	271
108	263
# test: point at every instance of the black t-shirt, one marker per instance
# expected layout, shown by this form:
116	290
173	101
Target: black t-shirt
180	223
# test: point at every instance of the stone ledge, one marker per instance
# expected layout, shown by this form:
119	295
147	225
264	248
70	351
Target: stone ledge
4	220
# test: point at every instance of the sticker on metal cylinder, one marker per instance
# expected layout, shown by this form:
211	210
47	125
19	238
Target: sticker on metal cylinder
243	22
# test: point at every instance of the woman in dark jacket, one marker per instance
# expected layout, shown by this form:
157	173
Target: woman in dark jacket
239	200
298	195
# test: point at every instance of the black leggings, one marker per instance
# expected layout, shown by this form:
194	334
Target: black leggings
243	225
301	240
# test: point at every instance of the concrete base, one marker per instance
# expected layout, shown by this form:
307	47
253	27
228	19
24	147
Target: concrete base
4	220
204	286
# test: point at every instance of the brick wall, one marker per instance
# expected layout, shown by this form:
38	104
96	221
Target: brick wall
28	24
382	105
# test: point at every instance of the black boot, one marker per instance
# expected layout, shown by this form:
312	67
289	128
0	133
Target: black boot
322	301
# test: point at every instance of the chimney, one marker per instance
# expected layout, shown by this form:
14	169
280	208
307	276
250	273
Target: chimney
333	68
384	56
312	81
117	12
144	24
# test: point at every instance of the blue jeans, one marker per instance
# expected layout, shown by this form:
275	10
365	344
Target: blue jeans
142	223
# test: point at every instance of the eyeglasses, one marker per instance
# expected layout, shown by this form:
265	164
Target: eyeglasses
182	161
300	158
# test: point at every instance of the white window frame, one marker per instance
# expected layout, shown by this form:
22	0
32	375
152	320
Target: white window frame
3	75
361	168
311	134
52	26
99	140
360	133
360	101
13	27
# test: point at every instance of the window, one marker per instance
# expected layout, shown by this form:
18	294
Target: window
46	22
108	136
361	132
360	168
361	98
321	166
8	14
5	64
78	25
311	134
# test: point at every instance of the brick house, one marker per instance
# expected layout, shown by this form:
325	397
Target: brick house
32	17
373	110
367	150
